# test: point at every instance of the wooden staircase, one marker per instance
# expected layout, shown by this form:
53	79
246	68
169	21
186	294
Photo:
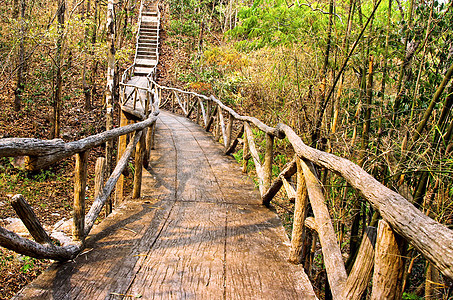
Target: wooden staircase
146	54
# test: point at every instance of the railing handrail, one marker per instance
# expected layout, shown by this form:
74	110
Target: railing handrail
52	151
433	239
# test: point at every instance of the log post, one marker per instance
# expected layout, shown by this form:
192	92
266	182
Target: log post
245	154
388	264
361	271
208	115
153	136
300	213
235	142
256	158
136	191
268	158
197	120
211	118
122	141
333	260
172	102
28	217
148	146
217	126
99	175
229	131
432	283
80	181
222	127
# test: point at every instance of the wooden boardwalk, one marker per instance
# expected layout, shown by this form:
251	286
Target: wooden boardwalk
199	232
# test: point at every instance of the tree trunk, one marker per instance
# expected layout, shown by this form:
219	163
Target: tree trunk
21	59
110	81
58	78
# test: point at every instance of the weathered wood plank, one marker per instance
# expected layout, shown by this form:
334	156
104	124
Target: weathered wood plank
110	261
187	261
256	266
173	248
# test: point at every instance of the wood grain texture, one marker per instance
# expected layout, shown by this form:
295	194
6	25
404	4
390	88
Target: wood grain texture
80	182
333	260
188	238
388	264
360	276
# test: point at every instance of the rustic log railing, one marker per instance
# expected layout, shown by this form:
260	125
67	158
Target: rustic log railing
45	152
380	249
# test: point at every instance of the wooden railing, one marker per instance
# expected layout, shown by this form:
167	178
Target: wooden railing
45	152
381	246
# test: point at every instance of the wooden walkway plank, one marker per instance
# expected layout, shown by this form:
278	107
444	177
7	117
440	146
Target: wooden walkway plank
108	263
256	258
187	261
187	238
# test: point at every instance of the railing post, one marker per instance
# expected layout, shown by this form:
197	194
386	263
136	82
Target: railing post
229	131
300	213
268	158
99	175
79	196
172	102
197	120
121	148
388	264
361	272
138	168
217	126
245	153
208	114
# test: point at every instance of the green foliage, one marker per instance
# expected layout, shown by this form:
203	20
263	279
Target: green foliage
184	27
28	265
268	25
410	296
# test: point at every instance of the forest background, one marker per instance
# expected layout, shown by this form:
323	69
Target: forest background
368	80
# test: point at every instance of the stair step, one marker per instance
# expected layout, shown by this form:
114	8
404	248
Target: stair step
148	31
145	62
153	46
142	71
147	44
149	23
146	51
146	57
149	18
147	39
